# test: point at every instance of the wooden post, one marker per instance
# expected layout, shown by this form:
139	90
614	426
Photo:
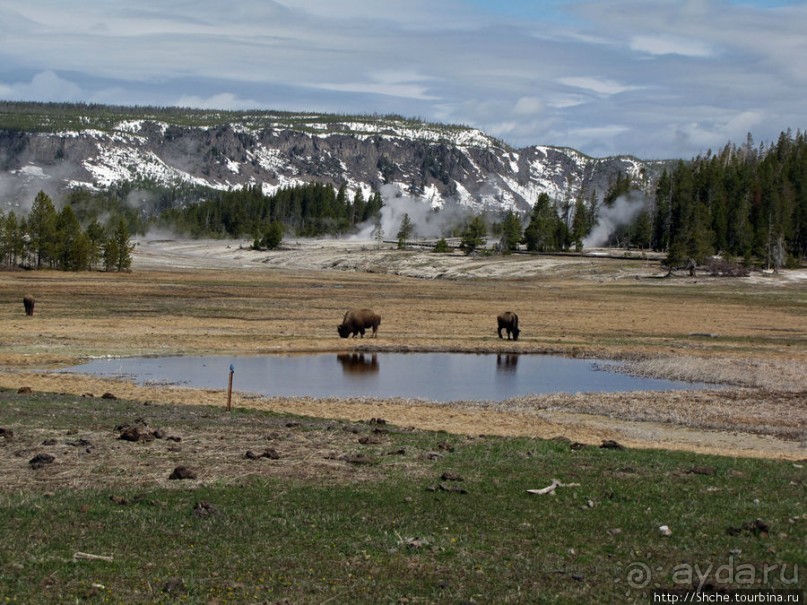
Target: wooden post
230	389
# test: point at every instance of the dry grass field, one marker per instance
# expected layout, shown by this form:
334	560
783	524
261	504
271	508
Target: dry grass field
217	298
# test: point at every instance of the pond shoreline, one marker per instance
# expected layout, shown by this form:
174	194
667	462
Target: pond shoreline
745	332
434	376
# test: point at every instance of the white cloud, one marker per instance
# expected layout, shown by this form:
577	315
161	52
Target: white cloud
503	129
599	86
565	101
527	106
406	91
599	132
670	45
744	122
674	76
394	84
44	86
416	14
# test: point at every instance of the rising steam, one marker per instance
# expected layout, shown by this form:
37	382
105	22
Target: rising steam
428	222
610	218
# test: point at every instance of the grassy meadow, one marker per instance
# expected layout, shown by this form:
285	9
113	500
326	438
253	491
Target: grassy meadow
308	501
367	512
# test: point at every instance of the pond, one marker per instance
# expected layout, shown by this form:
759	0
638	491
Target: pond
434	376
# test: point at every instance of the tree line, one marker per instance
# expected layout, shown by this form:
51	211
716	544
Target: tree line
74	238
308	210
47	238
745	203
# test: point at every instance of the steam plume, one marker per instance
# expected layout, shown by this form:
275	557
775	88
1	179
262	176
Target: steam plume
427	221
610	218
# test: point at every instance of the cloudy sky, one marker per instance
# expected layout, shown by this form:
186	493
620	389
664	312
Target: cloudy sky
653	78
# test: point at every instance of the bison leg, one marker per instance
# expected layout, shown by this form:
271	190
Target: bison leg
500	333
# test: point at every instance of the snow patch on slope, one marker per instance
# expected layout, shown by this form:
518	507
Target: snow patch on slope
120	164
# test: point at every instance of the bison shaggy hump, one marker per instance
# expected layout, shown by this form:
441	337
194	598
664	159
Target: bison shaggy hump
356	321
28	302
508	321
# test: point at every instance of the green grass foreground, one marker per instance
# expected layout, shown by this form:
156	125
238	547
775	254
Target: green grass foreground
402	529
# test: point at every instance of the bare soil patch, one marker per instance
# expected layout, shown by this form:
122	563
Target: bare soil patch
129	445
218	298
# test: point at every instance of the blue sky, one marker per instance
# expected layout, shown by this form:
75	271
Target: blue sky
658	79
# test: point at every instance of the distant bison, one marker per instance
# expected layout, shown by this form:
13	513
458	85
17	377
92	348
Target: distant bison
508	321
357	321
28	302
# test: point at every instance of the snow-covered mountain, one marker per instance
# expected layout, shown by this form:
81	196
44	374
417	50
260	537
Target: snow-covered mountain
97	147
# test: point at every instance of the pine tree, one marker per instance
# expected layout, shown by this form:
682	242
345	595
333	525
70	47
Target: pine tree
273	236
641	230
542	232
682	204
96	235
473	236
442	246
373	207
580	224
662	216
12	242
72	246
361	207
405	231
42	230
110	254
511	232
622	185
118	249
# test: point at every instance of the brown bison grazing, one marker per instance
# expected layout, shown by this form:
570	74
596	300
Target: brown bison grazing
508	321
28	302
357	321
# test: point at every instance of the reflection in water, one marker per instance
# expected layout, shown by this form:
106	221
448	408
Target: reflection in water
506	362
436	376
358	363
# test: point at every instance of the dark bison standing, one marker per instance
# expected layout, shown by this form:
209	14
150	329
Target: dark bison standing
357	321
28	302
508	321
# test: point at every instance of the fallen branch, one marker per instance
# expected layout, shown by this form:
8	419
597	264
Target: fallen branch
85	556
551	488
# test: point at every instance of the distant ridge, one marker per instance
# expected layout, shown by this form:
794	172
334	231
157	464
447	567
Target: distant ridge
54	146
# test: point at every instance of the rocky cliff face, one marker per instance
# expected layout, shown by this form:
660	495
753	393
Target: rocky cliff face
433	163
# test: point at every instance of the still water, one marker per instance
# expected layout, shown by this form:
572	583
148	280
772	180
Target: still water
435	376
